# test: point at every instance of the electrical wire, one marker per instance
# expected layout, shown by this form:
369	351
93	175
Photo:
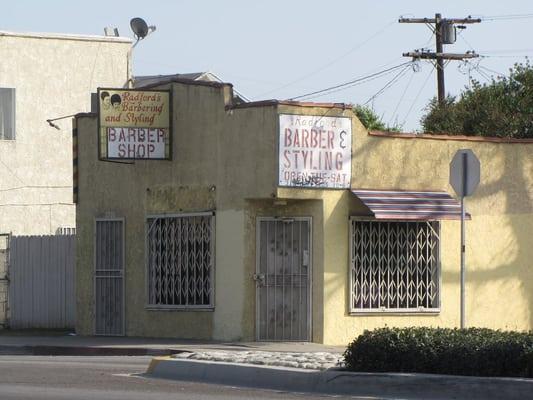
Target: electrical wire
506	17
348	86
491	70
418	95
387	85
36	204
401	97
483	74
320	69
35	187
12	172
352	82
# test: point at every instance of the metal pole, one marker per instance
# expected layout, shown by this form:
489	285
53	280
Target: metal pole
440	62
462	262
463	267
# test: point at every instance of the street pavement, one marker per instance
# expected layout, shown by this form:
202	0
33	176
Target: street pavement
35	366
110	378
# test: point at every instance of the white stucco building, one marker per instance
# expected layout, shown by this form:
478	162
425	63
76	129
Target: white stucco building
44	77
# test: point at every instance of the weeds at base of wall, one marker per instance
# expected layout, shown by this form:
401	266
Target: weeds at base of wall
470	352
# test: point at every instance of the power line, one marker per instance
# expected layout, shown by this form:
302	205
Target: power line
491	70
387	85
327	93
402	96
352	82
320	69
418	95
506	17
483	74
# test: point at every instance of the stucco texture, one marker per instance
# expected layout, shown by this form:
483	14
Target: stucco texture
225	159
53	76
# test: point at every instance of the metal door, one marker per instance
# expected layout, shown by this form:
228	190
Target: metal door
109	277
283	279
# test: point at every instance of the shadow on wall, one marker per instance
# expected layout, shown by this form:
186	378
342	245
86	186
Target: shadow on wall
513	239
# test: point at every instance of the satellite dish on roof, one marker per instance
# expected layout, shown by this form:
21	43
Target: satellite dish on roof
139	27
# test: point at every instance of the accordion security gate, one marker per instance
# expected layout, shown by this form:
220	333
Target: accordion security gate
283	279
180	258
394	266
109	277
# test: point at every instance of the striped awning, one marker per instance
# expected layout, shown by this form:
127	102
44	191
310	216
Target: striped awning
412	205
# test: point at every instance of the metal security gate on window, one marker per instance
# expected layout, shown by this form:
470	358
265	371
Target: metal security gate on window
394	266
283	279
109	277
180	261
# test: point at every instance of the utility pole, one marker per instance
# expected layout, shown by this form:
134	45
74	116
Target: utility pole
445	33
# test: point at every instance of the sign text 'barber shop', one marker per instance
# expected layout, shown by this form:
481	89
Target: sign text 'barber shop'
315	151
134	124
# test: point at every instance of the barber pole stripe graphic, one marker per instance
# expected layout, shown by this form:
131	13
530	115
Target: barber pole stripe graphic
75	161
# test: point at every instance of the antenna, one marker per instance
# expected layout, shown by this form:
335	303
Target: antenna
140	29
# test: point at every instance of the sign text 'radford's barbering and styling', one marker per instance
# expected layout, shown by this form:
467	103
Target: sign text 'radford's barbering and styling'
315	151
134	124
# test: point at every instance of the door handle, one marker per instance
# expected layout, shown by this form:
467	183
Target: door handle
259	279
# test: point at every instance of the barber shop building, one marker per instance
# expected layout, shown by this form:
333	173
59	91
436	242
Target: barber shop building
203	216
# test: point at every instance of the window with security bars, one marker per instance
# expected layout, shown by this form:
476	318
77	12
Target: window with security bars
394	266
181	261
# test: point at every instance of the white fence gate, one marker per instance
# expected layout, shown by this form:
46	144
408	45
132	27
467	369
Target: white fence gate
41	282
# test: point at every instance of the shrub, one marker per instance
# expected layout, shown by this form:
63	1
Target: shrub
472	351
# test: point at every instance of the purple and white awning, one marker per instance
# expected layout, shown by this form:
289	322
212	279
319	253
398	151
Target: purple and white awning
410	205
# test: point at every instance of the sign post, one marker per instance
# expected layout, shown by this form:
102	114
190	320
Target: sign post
464	178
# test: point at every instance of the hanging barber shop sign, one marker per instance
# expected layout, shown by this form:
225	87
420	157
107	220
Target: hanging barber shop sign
134	124
315	151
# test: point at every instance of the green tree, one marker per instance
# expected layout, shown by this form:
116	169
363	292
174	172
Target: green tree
502	107
372	121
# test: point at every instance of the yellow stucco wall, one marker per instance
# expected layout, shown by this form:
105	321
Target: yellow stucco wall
210	170
499	256
225	159
53	76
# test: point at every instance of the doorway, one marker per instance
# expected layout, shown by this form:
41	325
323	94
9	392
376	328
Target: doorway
283	279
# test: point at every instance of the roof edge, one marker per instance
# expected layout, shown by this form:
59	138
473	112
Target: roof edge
67	36
186	82
458	138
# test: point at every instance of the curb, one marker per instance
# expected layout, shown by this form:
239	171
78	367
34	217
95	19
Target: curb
382	385
84	351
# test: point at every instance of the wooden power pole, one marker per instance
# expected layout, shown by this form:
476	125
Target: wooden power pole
444	30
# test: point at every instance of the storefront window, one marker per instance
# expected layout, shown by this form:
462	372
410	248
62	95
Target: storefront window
180	261
394	266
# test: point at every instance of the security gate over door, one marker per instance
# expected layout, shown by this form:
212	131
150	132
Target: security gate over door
109	277
283	279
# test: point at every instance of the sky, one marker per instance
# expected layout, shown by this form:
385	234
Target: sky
283	49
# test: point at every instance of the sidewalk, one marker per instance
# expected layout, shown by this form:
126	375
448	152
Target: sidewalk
62	343
340	382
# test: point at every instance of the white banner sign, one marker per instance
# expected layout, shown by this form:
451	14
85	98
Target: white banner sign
136	143
315	151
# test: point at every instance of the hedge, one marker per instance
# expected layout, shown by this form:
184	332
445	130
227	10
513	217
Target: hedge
472	351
